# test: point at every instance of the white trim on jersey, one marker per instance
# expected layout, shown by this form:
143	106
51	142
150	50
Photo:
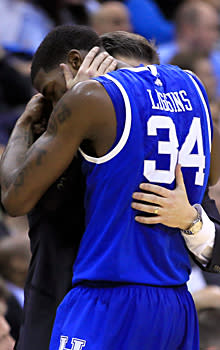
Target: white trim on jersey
153	69
126	131
150	67
135	69
205	107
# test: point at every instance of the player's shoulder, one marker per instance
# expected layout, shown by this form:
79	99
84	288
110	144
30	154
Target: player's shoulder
86	88
86	98
88	92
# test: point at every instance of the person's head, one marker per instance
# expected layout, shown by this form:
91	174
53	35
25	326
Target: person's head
111	16
70	44
14	259
201	66
65	44
131	48
197	26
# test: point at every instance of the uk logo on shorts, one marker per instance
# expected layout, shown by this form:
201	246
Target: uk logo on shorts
77	344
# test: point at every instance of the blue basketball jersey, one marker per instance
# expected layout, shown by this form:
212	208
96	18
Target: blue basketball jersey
166	120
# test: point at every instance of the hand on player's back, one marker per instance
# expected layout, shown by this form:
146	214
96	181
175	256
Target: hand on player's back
94	65
173	207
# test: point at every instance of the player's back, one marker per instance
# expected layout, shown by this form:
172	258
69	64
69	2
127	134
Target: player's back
162	118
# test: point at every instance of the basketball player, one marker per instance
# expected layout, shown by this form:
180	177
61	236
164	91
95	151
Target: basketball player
205	245
126	275
52	223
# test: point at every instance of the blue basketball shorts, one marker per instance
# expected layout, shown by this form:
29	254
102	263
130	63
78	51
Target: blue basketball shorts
127	317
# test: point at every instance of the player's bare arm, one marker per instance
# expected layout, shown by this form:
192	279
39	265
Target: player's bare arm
21	139
77	116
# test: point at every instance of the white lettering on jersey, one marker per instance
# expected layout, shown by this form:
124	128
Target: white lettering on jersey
173	101
178	102
77	344
162	101
154	106
187	104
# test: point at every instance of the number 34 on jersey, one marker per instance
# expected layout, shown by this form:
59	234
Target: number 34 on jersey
184	156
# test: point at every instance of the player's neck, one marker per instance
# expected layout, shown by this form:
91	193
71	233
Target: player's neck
121	64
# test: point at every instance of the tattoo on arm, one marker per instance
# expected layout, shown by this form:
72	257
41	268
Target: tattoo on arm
52	126
28	138
25	138
60	115
22	138
5	183
40	155
63	114
20	180
27	158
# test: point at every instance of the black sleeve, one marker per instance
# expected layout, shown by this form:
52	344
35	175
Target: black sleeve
211	210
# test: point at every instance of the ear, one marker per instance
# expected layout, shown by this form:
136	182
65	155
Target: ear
74	59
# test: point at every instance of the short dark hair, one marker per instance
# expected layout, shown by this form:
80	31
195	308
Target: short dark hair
129	45
56	45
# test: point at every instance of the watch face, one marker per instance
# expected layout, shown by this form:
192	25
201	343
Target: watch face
196	227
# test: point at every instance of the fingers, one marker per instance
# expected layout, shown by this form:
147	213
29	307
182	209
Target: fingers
112	66
147	197
107	65
93	65
68	75
96	66
37	100
159	190
179	177
90	56
145	208
148	220
38	95
38	129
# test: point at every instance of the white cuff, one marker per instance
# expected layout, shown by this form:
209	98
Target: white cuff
201	244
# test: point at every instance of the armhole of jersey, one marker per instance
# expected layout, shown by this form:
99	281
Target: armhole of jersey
127	127
205	105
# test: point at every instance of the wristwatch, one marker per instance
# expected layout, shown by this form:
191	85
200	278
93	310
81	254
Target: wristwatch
195	226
